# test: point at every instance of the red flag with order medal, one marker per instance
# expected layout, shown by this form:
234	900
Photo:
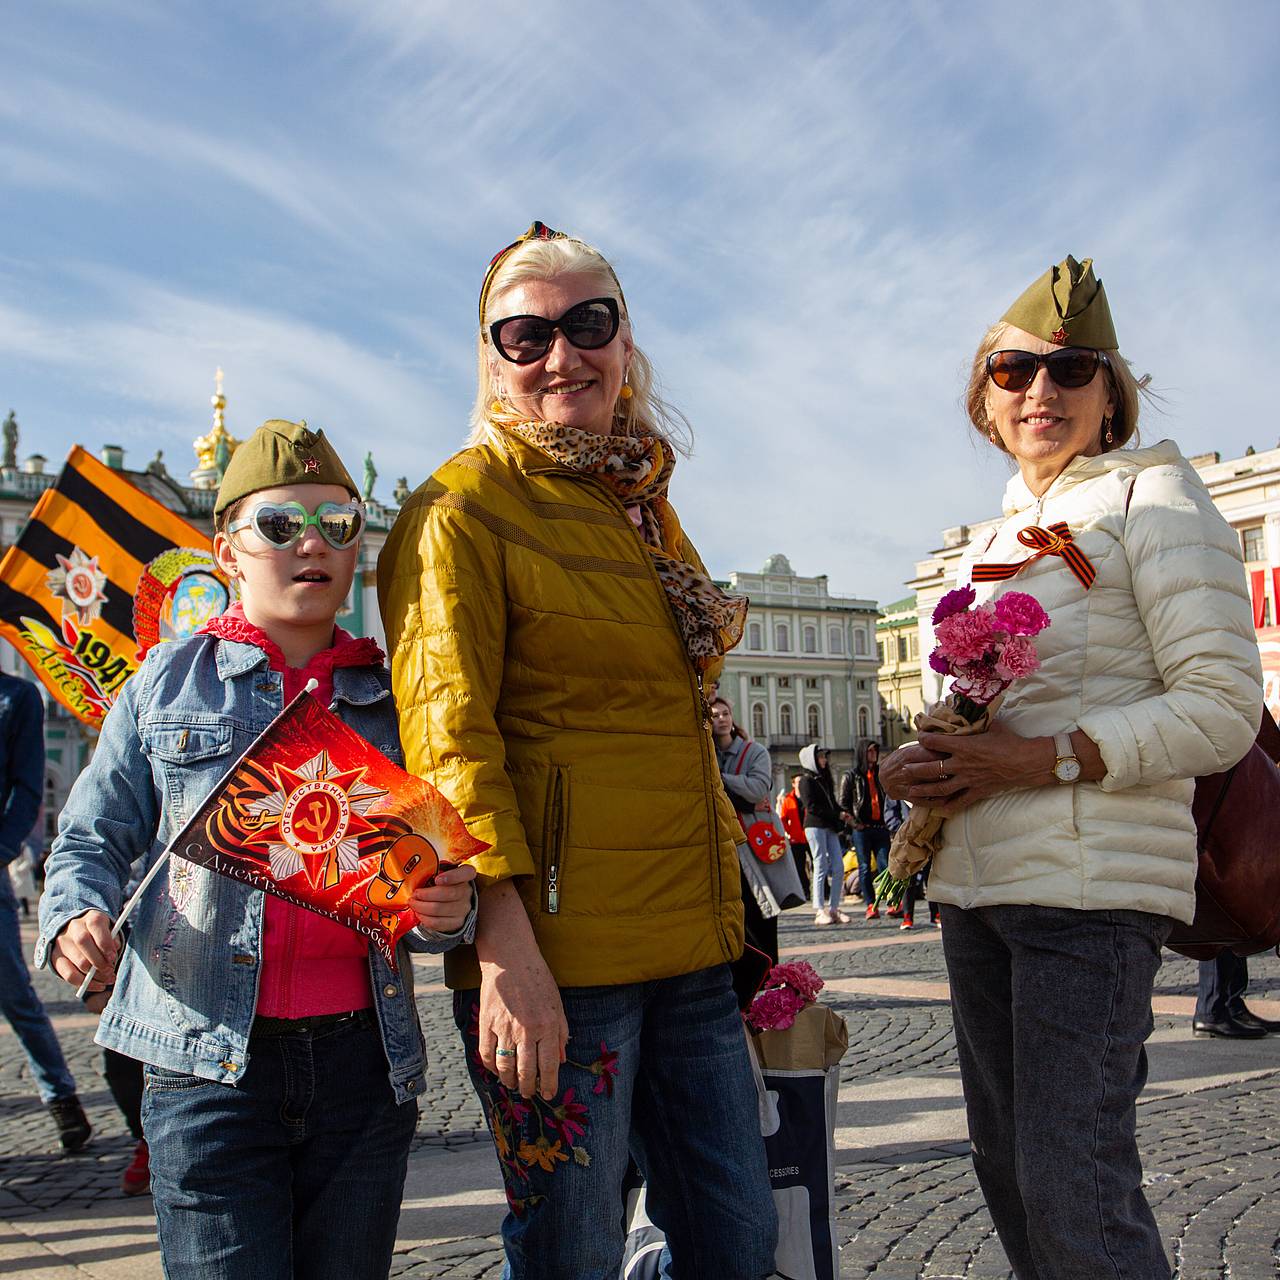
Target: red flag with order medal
316	815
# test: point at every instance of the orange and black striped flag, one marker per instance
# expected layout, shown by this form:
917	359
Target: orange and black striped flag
101	573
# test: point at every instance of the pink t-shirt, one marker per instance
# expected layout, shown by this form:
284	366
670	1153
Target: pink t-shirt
311	965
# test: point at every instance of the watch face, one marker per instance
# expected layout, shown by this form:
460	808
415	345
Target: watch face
1067	770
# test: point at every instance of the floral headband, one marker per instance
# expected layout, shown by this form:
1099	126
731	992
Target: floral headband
537	231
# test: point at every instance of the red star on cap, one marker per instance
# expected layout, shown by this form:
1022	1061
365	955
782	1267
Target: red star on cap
313	466
1059	336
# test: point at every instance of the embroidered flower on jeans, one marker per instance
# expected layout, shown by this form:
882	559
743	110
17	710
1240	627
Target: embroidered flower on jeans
512	1106
568	1119
520	1206
542	1153
500	1139
605	1068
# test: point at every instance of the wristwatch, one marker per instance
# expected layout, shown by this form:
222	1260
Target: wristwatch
1066	768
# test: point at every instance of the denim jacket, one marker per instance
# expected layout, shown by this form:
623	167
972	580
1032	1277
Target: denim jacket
187	984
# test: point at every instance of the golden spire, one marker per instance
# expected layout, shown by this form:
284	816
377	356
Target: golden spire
206	447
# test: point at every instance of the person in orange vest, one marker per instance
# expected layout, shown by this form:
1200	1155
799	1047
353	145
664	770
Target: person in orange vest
791	811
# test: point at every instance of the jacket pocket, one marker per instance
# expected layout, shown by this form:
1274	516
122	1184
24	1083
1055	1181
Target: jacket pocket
555	830
184	744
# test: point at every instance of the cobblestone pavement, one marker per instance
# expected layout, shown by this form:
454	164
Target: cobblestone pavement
907	1203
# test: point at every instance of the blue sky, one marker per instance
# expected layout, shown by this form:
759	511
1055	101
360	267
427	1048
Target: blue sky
815	210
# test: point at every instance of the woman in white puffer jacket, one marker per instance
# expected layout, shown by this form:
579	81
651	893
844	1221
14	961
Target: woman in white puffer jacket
1069	848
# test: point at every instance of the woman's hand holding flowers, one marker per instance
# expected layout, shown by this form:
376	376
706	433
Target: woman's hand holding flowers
977	766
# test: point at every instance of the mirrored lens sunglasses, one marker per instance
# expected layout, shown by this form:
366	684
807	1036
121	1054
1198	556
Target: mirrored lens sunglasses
1070	367
587	325
281	524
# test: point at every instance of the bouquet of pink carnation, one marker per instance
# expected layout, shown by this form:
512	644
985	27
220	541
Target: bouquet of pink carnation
985	649
786	990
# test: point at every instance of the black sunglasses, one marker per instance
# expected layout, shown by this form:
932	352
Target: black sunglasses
587	325
1071	367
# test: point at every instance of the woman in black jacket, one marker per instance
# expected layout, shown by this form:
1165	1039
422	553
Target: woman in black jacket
823	823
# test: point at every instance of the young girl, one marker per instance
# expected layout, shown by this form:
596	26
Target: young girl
283	1055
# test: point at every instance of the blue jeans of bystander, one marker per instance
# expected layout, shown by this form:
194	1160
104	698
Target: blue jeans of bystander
1051	1008
828	868
21	1006
871	840
658	1070
296	1171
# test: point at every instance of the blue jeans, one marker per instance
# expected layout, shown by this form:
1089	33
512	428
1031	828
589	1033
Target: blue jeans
874	839
21	1006
1051	1009
828	868
297	1171
658	1070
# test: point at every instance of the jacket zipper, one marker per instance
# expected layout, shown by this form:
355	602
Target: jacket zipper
702	710
555	830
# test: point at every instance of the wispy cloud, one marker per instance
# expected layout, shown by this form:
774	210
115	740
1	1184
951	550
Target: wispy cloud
815	213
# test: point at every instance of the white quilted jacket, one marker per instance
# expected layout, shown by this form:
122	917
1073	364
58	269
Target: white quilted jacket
1157	662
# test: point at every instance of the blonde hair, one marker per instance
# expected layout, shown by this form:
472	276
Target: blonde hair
644	413
1126	390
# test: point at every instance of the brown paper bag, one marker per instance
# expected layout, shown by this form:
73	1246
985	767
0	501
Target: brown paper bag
818	1039
919	838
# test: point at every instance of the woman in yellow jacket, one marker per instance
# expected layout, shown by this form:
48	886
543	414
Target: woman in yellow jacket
551	630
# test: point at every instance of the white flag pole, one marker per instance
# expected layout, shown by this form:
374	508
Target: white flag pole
124	915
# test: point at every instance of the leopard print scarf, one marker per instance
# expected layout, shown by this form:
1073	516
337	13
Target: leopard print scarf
637	469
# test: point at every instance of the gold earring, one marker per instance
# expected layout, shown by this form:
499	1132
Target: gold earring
991	435
626	393
496	407
1107	434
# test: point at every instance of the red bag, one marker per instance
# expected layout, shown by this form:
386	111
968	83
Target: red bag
1237	817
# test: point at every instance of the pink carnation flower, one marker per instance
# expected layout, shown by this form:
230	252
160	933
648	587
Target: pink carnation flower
954	602
965	637
980	684
1017	659
799	975
1020	614
938	661
776	1009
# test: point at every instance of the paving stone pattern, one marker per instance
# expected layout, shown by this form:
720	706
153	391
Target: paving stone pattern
1213	1154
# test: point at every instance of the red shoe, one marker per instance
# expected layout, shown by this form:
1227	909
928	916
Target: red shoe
907	923
136	1179
894	913
872	913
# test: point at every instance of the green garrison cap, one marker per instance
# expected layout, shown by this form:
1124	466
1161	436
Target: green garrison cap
1068	306
277	454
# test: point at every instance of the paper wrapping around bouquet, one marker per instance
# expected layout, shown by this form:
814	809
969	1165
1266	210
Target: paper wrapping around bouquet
920	837
818	1039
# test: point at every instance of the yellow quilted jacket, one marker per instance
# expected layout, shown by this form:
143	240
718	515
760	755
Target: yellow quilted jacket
543	687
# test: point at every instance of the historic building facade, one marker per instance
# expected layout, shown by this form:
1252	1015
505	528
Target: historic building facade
899	680
806	668
68	742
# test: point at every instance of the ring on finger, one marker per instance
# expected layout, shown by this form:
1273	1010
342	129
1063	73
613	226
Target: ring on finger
505	1053
942	773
